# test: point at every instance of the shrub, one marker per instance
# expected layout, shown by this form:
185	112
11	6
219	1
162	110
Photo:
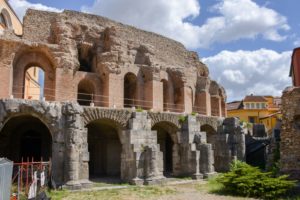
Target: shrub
245	180
139	109
182	119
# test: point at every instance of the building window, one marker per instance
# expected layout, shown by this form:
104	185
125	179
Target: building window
252	120
2	20
257	105
252	105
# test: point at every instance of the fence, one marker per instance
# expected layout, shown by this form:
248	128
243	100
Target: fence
6	168
87	99
30	178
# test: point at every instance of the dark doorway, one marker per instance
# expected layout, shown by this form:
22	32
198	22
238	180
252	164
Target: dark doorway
165	131
25	138
130	89
105	149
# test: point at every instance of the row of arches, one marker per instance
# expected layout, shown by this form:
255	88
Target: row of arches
27	137
34	77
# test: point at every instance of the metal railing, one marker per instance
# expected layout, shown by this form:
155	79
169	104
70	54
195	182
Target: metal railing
91	99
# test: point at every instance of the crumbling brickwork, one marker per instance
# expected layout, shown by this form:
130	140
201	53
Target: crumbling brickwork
117	101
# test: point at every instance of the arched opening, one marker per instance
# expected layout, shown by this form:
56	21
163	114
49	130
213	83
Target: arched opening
166	105
210	133
34	83
168	143
3	21
45	73
85	57
130	90
85	92
105	149
25	138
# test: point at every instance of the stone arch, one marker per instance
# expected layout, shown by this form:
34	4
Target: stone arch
210	133
105	147
164	117
6	17
25	59
167	138
25	137
214	122
120	117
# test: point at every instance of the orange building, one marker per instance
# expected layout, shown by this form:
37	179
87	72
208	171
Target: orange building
32	86
256	109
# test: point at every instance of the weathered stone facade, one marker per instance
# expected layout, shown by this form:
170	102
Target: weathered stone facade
290	140
97	72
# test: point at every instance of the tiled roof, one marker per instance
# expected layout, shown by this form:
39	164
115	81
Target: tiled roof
252	98
235	105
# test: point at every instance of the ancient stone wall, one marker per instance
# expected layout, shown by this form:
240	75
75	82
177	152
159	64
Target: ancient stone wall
290	140
145	155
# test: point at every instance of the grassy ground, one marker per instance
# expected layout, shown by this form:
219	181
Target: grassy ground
114	194
201	190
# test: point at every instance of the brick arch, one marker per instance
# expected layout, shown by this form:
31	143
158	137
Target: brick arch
26	58
164	117
120	117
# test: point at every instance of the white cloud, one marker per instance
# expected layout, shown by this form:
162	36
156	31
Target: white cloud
236	19
261	72
234	76
20	7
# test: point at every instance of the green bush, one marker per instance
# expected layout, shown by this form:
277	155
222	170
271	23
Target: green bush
182	119
139	109
245	180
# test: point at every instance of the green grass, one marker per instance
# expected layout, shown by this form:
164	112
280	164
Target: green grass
135	192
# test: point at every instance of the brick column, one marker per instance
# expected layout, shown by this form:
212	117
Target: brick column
65	89
115	90
6	82
202	103
188	100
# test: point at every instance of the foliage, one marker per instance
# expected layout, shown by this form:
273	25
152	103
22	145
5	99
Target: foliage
139	109
193	113
245	180
182	119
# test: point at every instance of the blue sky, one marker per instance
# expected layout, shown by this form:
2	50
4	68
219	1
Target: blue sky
246	44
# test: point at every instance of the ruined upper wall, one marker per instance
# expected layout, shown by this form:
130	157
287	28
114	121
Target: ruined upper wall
41	26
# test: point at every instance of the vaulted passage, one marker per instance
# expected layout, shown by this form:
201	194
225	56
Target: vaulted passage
105	149
167	140
25	137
